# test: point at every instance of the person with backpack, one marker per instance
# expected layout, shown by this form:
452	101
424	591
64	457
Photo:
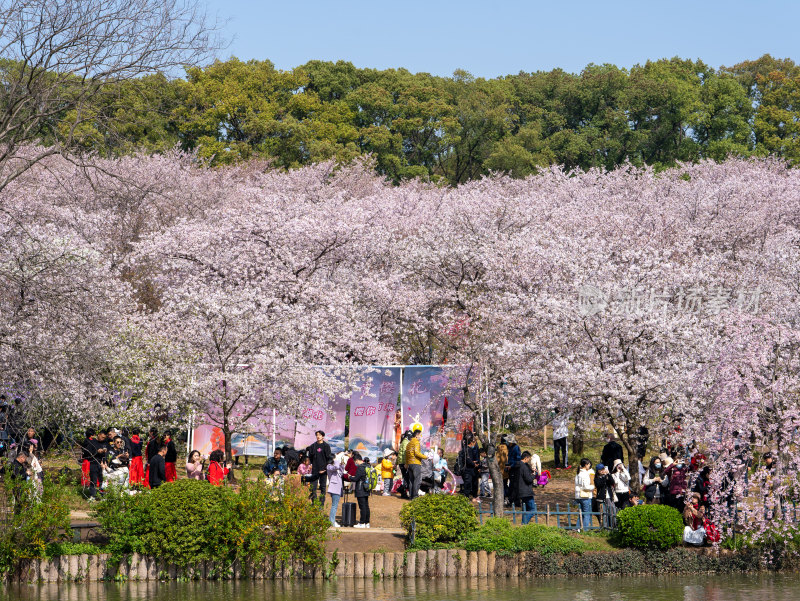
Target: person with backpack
362	491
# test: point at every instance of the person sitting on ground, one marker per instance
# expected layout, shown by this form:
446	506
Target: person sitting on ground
116	465
216	471
440	468
276	462
622	481
525	485
693	516
387	471
195	466
362	491
304	469
426	474
655	482
157	472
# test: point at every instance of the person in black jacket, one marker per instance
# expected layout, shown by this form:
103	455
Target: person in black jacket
525	482
97	451
171	457
157	472
472	460
362	491
612	451
321	455
604	484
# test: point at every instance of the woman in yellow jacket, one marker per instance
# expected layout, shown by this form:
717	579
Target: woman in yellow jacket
387	471
414	457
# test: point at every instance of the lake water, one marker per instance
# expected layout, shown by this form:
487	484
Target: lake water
765	587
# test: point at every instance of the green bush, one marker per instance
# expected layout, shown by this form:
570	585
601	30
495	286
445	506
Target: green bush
649	527
497	534
439	519
30	520
191	520
70	548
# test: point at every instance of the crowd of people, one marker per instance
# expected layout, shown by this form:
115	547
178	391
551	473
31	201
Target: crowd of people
676	476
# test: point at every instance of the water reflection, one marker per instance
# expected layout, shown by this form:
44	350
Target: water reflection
676	588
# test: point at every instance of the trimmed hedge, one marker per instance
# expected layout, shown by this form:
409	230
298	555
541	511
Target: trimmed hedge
497	534
439	520
649	527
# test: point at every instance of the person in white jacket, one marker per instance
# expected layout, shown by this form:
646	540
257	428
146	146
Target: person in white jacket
622	484
583	492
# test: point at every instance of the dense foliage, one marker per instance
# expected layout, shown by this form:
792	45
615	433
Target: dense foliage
438	519
456	128
189	520
153	287
497	534
649	527
30	521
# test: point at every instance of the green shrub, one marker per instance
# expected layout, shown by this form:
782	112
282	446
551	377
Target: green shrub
439	519
30	520
649	527
191	520
69	548
497	534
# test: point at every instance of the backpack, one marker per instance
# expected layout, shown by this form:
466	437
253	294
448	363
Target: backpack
372	479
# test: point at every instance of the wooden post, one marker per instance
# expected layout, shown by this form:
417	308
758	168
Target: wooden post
544	437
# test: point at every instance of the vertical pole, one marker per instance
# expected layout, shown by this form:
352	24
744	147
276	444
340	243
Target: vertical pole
274	429
544	437
190	437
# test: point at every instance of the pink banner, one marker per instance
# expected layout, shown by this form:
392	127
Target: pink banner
425	393
328	416
373	409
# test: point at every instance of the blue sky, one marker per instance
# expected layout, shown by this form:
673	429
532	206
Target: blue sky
490	39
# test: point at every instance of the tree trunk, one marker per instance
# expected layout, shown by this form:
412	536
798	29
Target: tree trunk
226	431
577	442
498	497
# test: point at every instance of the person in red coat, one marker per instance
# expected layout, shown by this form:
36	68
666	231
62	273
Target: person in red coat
216	471
85	454
136	476
171	458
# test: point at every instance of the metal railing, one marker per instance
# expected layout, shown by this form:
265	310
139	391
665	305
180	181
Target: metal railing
563	517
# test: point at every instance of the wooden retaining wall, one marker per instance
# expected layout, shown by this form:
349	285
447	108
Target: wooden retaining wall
449	563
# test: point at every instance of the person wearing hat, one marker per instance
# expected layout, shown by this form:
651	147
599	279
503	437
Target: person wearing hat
387	471
414	459
622	482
